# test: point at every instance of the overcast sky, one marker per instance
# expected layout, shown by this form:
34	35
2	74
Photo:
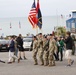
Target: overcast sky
21	8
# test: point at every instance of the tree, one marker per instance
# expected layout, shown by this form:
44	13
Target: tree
60	31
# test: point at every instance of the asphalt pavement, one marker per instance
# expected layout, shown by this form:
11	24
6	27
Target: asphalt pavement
26	67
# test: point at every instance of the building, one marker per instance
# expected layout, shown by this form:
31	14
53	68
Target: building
71	23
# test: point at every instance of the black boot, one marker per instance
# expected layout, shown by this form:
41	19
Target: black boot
20	58
25	58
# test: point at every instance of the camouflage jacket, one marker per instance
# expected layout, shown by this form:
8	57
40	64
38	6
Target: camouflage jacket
35	42
52	46
45	45
40	43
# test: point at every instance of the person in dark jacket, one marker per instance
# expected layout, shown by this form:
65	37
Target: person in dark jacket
11	50
20	47
60	45
69	44
61	42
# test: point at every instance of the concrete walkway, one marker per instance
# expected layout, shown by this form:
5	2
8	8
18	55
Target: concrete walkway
26	67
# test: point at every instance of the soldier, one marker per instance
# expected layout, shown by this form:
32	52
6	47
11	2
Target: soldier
52	48
40	48
46	52
35	50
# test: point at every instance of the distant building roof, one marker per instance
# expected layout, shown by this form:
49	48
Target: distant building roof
70	19
73	11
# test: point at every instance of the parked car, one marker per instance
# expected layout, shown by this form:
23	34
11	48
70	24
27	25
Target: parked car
27	43
4	45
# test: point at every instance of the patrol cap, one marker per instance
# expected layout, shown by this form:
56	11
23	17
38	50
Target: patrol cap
40	33
51	34
34	36
45	36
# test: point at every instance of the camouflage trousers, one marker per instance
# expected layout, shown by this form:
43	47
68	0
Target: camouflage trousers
35	56
51	59
46	54
40	53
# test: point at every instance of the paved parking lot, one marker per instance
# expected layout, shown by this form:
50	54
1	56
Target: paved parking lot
26	67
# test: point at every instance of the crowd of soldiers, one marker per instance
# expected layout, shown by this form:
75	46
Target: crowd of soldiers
48	47
45	46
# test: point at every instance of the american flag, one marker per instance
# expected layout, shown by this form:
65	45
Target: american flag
33	15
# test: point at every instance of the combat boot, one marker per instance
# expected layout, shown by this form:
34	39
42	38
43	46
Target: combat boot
18	60
50	64
36	64
25	58
45	64
53	63
13	60
42	63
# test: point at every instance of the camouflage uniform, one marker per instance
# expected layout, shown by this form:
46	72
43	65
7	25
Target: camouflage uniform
46	52
40	50
35	50
52	48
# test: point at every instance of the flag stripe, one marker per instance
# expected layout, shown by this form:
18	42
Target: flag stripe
32	15
31	21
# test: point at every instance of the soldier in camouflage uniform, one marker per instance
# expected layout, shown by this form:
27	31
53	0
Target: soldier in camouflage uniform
40	48
35	50
52	48
46	52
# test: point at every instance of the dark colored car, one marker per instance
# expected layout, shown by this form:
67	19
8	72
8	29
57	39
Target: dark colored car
4	45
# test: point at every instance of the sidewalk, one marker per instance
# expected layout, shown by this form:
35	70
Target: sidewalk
26	67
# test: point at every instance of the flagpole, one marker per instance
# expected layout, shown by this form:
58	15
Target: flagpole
36	29
57	21
10	28
19	27
57	17
1	31
41	31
